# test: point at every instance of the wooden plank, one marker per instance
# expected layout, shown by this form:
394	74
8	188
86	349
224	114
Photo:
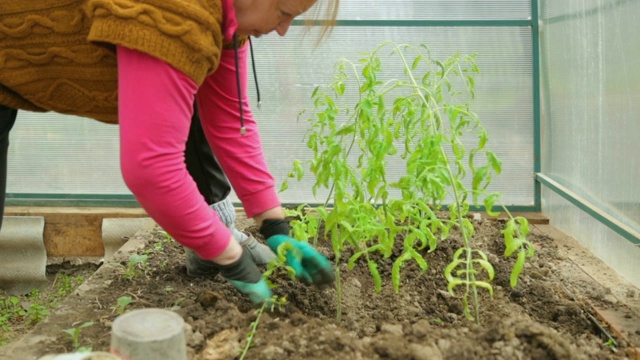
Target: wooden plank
74	231
533	217
624	324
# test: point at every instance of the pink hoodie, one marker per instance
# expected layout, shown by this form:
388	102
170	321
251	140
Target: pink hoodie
155	104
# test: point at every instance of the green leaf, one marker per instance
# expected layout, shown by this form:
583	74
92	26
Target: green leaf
453	283
346	226
298	170
315	91
484	285
86	324
419	259
352	260
416	62
486	266
495	163
489	202
530	250
442	69
345	130
71	332
479	175
380	102
472	82
422	237
449	269
377	280
395	270
523	229
517	268
465	307
284	186
483	137
458	150
444	232
508	231
467	227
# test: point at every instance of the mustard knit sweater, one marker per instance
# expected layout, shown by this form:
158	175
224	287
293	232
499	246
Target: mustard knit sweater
59	55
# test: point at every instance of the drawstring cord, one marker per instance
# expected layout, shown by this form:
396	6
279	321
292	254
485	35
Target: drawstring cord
243	129
255	74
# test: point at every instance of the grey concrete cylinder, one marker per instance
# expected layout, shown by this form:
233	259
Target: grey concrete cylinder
149	334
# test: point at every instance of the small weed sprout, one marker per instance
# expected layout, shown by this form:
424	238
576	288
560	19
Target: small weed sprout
33	307
7	329
137	264
11	312
36	313
424	120
65	284
123	302
12	306
159	245
611	344
74	335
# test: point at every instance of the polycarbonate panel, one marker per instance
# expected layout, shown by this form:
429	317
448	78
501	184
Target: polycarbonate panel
50	153
591	82
563	9
60	154
617	252
288	72
434	9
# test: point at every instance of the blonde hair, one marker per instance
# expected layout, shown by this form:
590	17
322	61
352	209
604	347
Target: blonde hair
327	18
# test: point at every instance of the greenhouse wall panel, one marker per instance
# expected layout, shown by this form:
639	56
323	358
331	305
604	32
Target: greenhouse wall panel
52	153
590	125
435	10
503	94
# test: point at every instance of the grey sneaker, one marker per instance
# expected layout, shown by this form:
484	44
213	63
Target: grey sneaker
197	267
260	253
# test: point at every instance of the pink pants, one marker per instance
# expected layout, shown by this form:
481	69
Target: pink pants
155	108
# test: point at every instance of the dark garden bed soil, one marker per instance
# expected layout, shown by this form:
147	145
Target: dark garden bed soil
548	316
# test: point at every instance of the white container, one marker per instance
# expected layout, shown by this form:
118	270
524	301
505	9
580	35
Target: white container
145	334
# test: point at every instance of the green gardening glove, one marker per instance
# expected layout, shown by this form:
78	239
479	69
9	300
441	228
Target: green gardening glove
310	266
244	275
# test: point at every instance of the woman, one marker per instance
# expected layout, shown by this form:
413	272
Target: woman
74	56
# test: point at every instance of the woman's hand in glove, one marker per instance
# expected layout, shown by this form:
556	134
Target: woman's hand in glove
244	275
310	266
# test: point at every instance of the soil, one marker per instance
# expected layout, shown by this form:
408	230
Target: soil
549	315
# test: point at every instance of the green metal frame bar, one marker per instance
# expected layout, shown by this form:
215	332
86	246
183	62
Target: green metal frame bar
100	200
128	200
596	212
535	41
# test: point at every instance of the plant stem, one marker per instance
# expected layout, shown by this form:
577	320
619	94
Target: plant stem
254	329
470	277
339	293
